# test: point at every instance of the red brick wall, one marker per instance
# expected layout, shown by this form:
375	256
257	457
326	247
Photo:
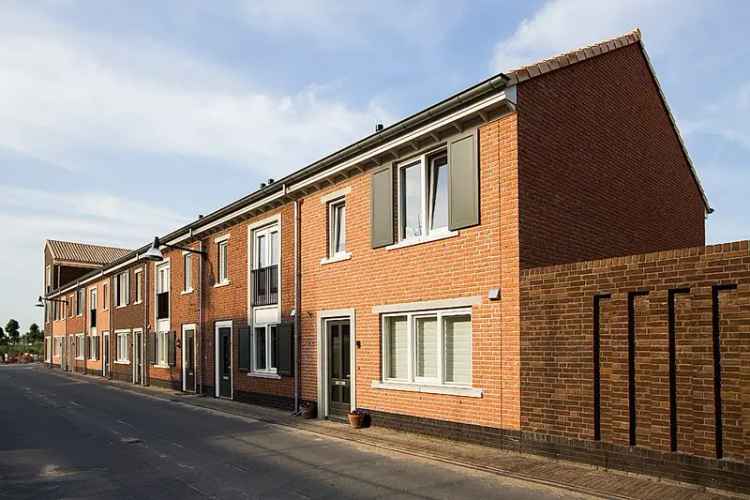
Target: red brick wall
463	266
601	171
557	321
125	318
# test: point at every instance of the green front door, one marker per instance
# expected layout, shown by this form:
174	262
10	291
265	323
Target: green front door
339	368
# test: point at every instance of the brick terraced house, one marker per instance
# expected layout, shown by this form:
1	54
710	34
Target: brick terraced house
498	268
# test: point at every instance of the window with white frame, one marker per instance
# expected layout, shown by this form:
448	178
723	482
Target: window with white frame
48	349
423	196
264	354
105	296
70	306
187	272
57	349
138	276
162	348
122	354
93	347
122	289
80	297
265	272
80	346
162	290
432	348
223	250
337	228
48	279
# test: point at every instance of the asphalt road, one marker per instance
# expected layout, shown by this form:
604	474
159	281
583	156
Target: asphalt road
71	438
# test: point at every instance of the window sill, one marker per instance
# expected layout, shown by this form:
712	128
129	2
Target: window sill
468	392
336	258
422	239
80	359
117	362
137	302
160	365
222	283
185	292
273	376
120	307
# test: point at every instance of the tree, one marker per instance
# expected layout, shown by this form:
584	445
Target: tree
3	339
12	330
34	334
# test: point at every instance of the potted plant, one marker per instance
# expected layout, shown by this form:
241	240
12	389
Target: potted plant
308	410
357	418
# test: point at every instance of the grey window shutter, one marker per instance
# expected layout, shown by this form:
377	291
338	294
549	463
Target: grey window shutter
172	354
463	182
284	347
244	334
96	348
381	207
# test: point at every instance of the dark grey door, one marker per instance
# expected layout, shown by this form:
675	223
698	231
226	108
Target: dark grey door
106	355
339	368
137	366
189	346
225	362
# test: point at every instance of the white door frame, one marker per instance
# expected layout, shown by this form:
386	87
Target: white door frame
138	367
322	326
193	327
223	324
105	353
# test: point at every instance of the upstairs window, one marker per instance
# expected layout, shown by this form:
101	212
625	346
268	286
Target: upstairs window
187	273
122	289
223	251
265	272
138	275
337	228
105	296
162	291
80	297
92	308
423	196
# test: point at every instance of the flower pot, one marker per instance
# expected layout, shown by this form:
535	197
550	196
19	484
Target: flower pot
356	420
308	411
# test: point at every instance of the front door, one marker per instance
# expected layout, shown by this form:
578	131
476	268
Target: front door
137	358
105	355
224	360
64	353
339	368
188	360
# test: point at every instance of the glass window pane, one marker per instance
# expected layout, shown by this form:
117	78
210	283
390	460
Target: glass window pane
398	347
261	257
260	348
439	193
274	248
339	228
427	347
457	342
411	198
273	351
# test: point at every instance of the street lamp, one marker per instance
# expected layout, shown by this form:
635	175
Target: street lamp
154	252
41	300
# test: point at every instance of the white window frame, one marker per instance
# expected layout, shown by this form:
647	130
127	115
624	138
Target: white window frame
333	223
411	378
122	356
48	352
425	164
93	296
272	370
48	278
80	293
80	347
138	279
187	272
222	248
162	350
105	296
266	232
91	347
122	289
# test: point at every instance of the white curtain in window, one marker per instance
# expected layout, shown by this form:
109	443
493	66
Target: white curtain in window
427	347
398	348
457	341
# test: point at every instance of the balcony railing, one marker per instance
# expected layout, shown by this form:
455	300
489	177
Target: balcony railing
162	305
266	286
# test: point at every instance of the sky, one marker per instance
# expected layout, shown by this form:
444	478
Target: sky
123	120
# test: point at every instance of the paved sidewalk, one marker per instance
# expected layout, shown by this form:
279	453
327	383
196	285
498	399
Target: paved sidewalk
580	478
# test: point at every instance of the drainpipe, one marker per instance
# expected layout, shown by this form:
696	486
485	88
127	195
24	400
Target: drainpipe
145	374
110	310
199	333
297	304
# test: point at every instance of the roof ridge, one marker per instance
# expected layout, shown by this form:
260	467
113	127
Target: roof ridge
89	244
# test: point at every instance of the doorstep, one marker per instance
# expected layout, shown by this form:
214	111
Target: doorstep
571	476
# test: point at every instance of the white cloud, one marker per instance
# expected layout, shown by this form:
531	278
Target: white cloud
562	25
63	93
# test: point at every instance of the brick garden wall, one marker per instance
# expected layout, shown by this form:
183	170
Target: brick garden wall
621	352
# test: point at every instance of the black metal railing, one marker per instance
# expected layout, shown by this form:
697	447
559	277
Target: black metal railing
266	286
162	305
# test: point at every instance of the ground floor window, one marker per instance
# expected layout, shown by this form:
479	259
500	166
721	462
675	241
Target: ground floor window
162	348
48	345
57	346
80	346
122	354
431	347
93	348
264	354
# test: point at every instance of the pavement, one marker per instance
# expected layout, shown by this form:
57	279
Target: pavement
75	436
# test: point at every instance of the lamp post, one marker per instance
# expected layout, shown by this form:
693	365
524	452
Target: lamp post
154	252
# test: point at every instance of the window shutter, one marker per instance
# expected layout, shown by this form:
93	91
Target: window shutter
463	182
381	207
152	347
284	347
244	334
172	354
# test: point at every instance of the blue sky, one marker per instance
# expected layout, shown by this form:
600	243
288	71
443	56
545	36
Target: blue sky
122	120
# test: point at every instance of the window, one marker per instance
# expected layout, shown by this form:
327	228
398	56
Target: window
428	348
265	273
187	273
105	298
138	275
264	354
80	297
162	291
93	348
162	348
122	289
70	306
48	279
92	308
123	356
223	247
337	228
80	346
48	345
423	196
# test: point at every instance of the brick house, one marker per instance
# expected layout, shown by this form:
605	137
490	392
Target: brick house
397	275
